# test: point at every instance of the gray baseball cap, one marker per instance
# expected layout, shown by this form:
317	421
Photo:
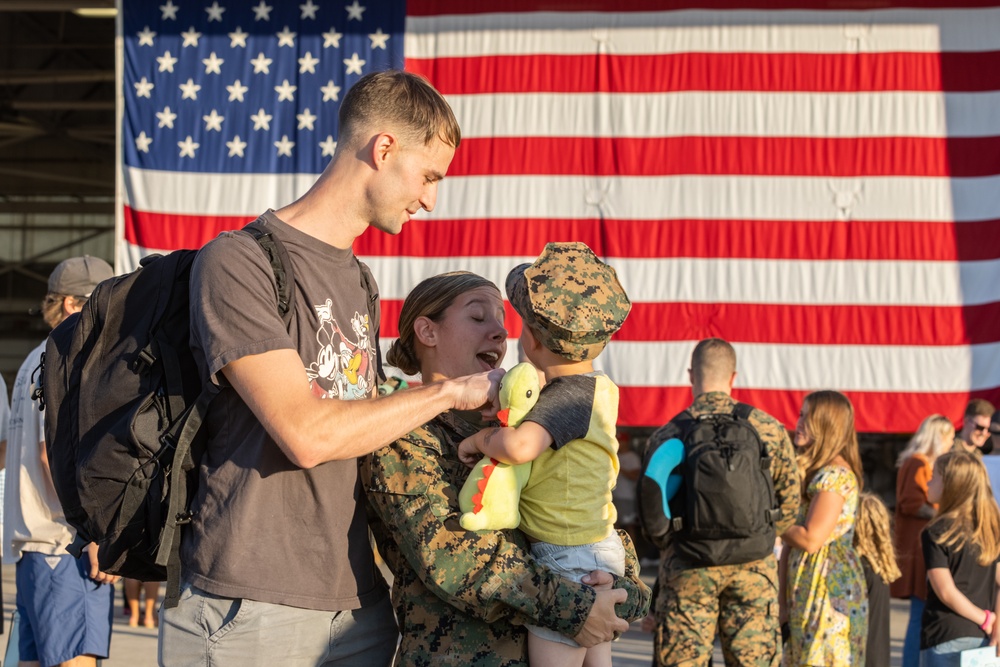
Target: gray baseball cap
78	276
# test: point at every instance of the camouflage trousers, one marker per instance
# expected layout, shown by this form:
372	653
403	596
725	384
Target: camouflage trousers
740	601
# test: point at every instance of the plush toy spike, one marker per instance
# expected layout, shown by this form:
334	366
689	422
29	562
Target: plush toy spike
489	498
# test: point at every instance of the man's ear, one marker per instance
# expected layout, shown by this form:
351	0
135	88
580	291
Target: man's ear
425	331
383	146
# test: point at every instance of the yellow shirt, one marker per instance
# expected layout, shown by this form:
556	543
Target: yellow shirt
567	500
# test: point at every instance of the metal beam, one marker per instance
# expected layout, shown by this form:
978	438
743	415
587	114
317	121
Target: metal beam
62	105
52	5
56	207
58	178
17	78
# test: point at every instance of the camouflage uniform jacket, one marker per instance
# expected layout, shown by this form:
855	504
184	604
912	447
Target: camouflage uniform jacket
784	468
461	597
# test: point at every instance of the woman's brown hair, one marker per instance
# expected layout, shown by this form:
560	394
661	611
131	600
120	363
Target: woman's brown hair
830	427
430	298
967	510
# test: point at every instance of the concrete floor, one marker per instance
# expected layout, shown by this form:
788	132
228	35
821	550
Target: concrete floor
136	647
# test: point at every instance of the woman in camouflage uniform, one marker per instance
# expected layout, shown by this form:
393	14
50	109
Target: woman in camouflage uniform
464	596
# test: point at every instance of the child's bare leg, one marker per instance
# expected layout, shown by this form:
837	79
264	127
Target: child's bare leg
132	588
152	591
598	656
545	652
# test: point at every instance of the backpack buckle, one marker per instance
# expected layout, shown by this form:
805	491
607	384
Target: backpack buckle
183	518
143	358
676	524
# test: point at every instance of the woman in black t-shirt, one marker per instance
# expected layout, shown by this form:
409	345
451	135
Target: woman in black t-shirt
961	548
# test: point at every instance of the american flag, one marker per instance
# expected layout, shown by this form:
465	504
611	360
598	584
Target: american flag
816	181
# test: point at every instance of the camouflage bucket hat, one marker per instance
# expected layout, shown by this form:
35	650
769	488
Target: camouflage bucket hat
570	298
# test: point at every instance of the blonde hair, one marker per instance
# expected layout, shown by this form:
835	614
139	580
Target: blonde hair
967	509
52	307
430	298
873	537
830	427
401	100
713	359
929	439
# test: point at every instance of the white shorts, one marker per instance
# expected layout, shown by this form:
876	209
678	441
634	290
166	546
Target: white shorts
575	563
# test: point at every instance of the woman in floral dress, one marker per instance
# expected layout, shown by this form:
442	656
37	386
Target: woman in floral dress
825	591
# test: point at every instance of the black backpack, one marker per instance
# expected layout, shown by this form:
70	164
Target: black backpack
124	407
724	507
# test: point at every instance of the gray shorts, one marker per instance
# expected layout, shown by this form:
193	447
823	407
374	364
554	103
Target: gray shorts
575	563
209	629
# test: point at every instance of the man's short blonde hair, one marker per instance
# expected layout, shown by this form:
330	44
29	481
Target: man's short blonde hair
401	101
713	360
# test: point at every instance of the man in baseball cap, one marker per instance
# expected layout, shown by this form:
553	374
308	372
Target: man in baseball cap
65	603
70	285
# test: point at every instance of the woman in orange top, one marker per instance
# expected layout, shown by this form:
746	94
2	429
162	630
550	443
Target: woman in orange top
913	510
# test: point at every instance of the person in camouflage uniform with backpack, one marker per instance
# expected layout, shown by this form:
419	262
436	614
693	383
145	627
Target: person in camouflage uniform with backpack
741	600
461	596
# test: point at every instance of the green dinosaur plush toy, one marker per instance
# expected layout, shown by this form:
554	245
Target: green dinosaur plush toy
489	500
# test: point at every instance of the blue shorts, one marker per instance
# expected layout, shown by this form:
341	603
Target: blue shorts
64	613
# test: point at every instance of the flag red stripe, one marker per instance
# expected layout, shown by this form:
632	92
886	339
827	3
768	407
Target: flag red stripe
715	72
891	412
962	157
781	324
460	7
743	239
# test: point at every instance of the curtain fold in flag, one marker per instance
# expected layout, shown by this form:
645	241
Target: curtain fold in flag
817	182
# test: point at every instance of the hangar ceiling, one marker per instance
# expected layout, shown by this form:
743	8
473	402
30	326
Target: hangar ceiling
57	153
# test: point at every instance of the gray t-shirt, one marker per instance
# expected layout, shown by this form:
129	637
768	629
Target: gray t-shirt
265	529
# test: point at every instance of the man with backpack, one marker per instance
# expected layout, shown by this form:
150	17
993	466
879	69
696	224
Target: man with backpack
735	488
277	565
65	603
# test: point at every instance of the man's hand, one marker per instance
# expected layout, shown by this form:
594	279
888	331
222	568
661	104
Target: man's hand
649	623
478	392
95	571
602	623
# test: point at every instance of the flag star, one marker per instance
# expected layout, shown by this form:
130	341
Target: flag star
213	64
143	88
146	36
142	142
261	120
379	39
307	63
189	90
306	120
308	10
191	37
354	11
354	64
167	62
261	64
332	38
262	11
284	146
286	38
213	121
166	117
286	91
236	91
188	147
238	38
215	12
331	91
169	11
236	146
328	146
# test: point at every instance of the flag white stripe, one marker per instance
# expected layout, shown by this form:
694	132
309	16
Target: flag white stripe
804	367
741	113
787	31
897	198
766	281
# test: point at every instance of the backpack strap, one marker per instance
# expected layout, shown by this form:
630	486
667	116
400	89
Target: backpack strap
742	411
277	257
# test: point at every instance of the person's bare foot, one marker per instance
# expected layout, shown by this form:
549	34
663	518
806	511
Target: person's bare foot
150	622
133	621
